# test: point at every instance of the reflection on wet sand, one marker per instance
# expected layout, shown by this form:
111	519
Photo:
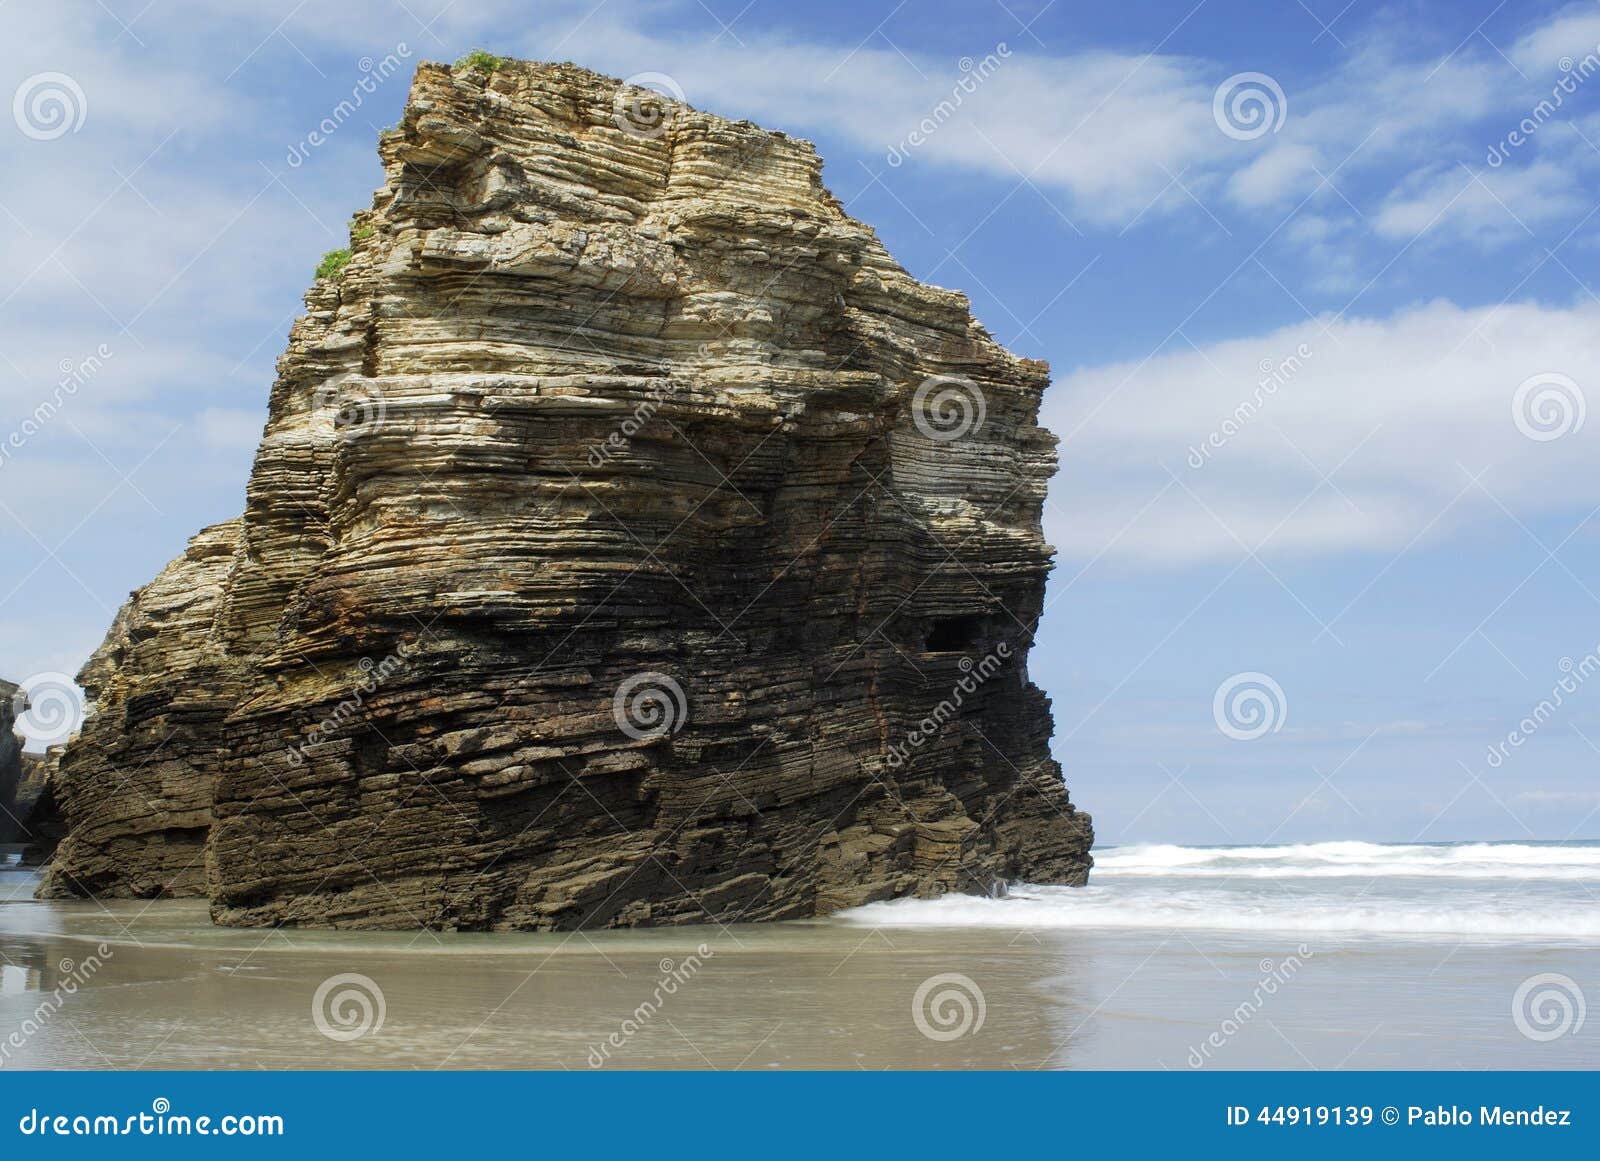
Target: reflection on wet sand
176	992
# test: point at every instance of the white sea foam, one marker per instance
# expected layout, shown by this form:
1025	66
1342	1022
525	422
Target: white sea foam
1339	859
1500	891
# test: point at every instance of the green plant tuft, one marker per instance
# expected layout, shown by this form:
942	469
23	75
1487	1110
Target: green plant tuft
333	264
478	59
360	232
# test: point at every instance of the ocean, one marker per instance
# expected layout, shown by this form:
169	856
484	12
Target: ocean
1298	956
1455	891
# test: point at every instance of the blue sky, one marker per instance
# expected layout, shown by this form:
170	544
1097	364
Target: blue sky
1381	536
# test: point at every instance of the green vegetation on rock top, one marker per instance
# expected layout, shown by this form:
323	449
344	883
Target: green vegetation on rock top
333	263
478	59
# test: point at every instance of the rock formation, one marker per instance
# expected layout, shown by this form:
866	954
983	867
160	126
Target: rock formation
42	827
631	541
136	786
10	763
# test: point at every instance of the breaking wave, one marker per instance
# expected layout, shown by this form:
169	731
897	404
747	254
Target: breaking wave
1465	891
1342	859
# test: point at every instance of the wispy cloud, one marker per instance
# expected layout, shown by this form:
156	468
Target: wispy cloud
1389	430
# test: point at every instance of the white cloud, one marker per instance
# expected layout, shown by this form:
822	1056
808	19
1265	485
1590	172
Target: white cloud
1104	132
1493	206
123	93
1572	33
1270	178
1401	413
1559	797
237	429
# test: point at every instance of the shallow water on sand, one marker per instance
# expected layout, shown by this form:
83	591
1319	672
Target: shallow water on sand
1200	962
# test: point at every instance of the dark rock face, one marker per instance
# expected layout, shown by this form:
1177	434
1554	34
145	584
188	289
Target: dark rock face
10	764
42	826
135	786
631	541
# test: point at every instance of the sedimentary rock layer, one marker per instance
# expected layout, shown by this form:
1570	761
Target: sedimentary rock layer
10	763
41	827
136	785
631	541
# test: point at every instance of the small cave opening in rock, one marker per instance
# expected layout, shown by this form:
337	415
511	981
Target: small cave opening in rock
954	634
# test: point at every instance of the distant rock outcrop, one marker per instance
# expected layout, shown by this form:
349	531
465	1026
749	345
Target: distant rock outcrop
43	827
631	541
11	699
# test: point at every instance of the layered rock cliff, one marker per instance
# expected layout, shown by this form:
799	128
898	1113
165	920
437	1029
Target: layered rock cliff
40	825
12	702
136	785
631	541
